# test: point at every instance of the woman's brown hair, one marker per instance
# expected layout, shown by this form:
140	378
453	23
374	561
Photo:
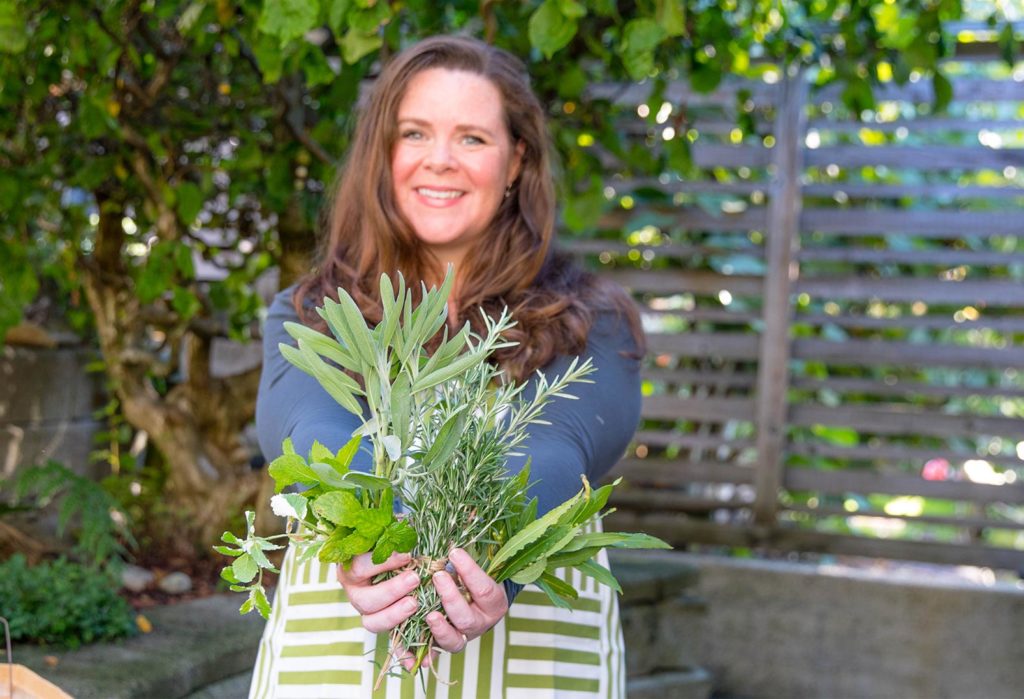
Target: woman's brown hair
514	265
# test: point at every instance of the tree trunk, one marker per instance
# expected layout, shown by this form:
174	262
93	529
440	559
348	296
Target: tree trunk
197	425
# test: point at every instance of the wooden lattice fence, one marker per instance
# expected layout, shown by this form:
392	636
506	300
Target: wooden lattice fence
835	316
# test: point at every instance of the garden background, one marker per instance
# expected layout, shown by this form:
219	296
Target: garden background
813	202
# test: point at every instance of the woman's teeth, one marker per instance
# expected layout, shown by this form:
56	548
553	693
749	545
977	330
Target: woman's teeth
439	194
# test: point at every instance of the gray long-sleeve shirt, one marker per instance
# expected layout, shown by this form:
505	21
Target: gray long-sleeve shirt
586	436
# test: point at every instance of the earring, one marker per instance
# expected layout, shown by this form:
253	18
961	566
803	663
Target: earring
508	191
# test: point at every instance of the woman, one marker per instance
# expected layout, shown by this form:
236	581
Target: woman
449	165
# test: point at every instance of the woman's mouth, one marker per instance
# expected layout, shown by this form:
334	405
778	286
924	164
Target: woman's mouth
441	194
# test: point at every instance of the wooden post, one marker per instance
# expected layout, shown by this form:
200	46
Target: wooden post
783	238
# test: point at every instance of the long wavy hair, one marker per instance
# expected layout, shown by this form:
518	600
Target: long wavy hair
513	265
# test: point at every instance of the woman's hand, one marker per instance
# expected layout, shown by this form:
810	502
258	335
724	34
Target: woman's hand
387	604
466	619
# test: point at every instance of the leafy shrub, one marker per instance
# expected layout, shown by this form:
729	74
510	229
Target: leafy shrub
62	603
98	521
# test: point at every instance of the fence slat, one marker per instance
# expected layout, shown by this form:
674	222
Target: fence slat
947	258
712	345
892	421
986	292
703	409
926	158
779	281
673	470
668	282
904	388
840	482
921	224
877	352
896	453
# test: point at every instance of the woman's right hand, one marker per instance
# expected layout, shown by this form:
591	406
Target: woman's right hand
387	604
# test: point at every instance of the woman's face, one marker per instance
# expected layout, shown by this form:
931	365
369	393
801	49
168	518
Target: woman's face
453	159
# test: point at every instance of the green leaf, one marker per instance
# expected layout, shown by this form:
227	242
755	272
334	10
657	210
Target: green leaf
370	523
244	568
228	551
599	573
530	533
530	573
447	440
562	590
324	346
288	19
393	446
566	558
260	601
336	11
13	32
550	30
367	481
337	383
289	505
943	91
185	302
639	39
332	551
401	408
228	573
671	14
572	9
619	540
289	469
345	316
338	507
397	536
356	544
355	45
348	452
229	538
267	51
190	202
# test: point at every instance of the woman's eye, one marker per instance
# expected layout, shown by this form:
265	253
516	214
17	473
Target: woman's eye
412	135
473	140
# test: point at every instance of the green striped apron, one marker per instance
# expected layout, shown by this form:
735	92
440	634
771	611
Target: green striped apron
314	645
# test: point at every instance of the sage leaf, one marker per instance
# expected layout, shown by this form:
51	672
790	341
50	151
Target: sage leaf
393	447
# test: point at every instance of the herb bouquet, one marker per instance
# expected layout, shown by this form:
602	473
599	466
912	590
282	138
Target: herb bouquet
441	426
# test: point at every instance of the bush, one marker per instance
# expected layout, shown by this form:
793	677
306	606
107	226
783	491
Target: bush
62	603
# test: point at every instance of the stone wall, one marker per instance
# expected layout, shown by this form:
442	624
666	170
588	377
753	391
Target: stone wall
47	401
775	629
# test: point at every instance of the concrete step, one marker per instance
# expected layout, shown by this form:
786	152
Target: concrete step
694	683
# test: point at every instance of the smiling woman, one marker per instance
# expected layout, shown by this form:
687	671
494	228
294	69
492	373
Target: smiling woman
449	165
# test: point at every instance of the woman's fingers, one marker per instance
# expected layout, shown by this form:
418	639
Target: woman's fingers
363	568
459	611
391	616
445	635
488	595
370	599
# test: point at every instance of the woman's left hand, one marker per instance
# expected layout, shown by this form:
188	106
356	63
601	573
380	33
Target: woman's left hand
467	619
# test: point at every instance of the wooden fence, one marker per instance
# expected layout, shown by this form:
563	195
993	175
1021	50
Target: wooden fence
835	316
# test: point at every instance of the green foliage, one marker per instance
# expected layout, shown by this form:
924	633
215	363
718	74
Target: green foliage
62	603
100	526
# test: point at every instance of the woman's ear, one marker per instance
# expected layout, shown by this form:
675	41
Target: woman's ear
516	163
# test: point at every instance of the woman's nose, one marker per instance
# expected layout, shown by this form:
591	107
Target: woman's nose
440	156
